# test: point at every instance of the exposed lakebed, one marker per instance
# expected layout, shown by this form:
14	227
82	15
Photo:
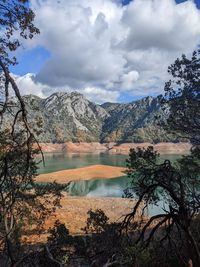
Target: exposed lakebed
111	187
94	188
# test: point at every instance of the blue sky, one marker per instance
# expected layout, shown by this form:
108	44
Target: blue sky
196	1
30	61
40	57
125	2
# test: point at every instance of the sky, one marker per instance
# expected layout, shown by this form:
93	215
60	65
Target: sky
108	50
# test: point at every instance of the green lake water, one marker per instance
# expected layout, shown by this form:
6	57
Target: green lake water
113	187
98	187
63	161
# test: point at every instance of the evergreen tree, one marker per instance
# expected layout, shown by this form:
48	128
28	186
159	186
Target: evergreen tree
175	184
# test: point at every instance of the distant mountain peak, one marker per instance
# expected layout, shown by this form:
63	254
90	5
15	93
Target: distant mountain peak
67	94
69	116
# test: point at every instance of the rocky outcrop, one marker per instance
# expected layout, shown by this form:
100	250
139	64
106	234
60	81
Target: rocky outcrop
70	117
66	117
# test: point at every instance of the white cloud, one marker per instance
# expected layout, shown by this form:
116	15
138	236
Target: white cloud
129	79
99	95
161	24
103	45
28	85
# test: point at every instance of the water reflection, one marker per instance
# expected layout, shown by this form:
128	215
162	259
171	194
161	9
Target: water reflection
113	187
96	188
100	188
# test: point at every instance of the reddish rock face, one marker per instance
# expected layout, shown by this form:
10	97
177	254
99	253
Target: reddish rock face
114	148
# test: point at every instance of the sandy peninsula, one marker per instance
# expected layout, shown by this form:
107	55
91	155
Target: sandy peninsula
84	173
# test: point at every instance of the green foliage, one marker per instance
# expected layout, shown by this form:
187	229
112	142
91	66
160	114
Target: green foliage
59	234
16	17
22	202
96	222
182	94
138	257
175	184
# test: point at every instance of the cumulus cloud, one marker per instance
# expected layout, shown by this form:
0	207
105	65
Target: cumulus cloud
80	42
99	95
161	24
103	48
129	79
28	85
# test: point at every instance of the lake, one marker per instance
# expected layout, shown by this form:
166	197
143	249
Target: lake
113	187
62	161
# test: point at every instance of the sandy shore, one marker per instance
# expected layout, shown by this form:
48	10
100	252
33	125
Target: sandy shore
84	173
114	148
74	210
73	213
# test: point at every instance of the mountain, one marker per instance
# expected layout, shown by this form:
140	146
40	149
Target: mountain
71	117
67	117
134	122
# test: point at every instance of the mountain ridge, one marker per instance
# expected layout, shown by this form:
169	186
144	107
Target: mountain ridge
70	117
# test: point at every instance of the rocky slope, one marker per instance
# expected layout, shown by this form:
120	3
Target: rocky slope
134	122
65	117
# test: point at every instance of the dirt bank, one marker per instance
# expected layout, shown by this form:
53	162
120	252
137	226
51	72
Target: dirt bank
84	173
74	210
114	148
73	213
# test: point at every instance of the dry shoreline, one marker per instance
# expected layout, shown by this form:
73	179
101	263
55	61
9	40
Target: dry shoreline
73	213
74	210
114	148
83	173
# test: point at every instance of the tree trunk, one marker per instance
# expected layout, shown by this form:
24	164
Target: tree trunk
194	250
190	264
9	251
